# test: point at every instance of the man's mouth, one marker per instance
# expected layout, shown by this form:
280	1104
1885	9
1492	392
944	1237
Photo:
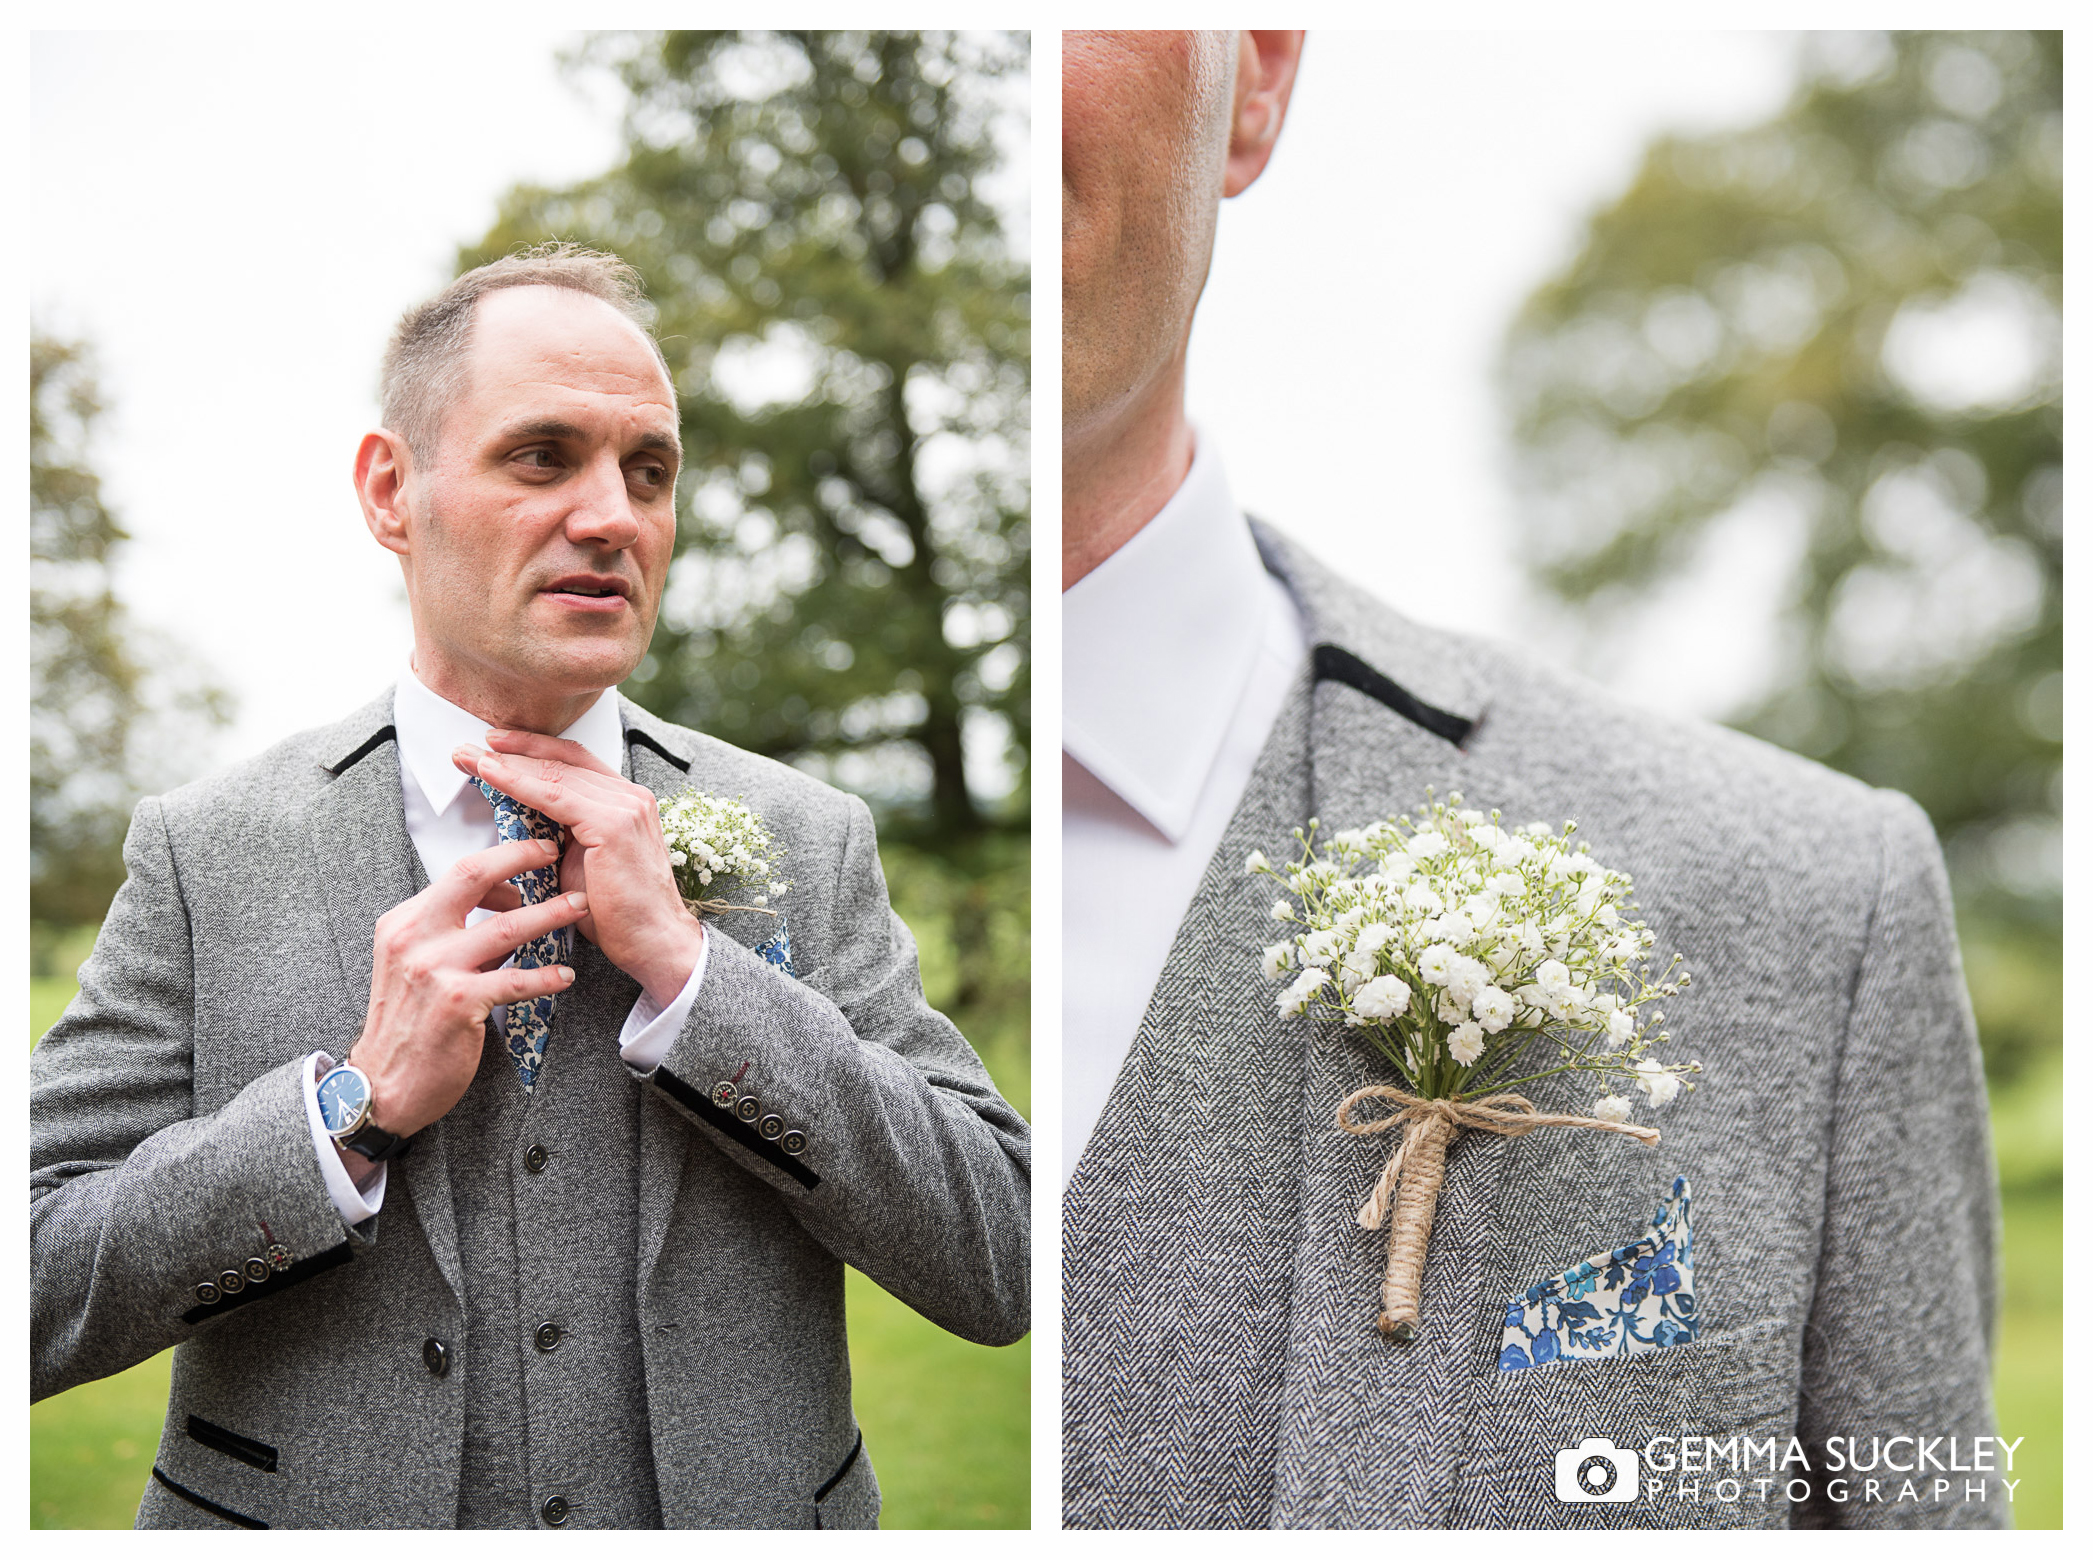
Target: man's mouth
592	587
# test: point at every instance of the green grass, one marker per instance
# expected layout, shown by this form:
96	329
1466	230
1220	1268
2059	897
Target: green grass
2028	1373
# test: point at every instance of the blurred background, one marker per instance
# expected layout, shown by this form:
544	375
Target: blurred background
1732	364
835	230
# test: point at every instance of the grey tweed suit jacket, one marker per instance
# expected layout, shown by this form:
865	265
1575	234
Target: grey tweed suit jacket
169	1132
1221	1367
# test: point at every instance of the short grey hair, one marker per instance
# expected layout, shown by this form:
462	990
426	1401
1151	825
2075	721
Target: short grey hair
424	368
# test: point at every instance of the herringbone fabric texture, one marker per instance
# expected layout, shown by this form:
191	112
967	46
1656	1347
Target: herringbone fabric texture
1221	1367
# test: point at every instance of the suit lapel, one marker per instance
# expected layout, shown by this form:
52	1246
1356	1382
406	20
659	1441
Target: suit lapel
356	829
657	757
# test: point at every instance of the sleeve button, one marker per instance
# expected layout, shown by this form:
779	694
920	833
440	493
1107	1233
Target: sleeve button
772	1127
794	1142
256	1269
230	1281
207	1292
748	1107
723	1094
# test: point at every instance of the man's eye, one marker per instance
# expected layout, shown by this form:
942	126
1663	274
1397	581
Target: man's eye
543	460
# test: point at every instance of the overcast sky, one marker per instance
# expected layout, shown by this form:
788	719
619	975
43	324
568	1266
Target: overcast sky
1423	185
236	220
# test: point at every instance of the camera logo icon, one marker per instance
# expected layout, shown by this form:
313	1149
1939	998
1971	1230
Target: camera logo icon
1595	1469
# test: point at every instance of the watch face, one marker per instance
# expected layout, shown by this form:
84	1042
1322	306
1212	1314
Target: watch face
343	1095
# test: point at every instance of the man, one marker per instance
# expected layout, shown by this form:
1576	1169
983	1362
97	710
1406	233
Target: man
566	1248
1221	1363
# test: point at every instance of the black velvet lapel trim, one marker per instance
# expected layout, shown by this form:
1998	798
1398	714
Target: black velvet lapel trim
1335	664
634	737
296	1273
222	1513
256	1454
701	1106
377	739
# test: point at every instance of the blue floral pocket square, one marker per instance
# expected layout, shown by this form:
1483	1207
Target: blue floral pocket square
1625	1301
778	951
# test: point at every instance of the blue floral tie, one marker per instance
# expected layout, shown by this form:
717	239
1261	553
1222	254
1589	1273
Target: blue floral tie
530	1022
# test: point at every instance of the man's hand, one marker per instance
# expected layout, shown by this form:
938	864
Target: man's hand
434	980
617	855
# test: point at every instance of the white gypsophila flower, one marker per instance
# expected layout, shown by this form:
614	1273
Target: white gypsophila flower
1455	928
1257	861
1435	964
1382	998
677	858
1485	836
1465	979
1292	1000
1350	841
1661	1086
1374	936
1448	1008
1493	1009
1397	867
1465	1043
1620	1027
1552	977
1359	965
1282	911
1481	910
1319	947
1428	845
1611	1107
1505	885
1278	959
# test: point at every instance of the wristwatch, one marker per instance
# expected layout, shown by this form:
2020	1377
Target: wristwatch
345	1110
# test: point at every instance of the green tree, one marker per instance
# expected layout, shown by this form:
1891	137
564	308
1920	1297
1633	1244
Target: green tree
1845	321
848	331
102	697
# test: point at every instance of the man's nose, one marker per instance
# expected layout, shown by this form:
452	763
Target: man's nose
602	511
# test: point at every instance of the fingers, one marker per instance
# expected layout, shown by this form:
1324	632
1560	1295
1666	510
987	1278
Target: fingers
563	792
498	936
471	878
528	744
501	987
502	896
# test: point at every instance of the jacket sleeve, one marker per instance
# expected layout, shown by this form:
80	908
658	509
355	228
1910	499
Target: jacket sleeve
138	1207
865	1109
1900	1331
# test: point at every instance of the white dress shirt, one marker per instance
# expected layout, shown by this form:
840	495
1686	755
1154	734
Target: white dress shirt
448	817
1178	652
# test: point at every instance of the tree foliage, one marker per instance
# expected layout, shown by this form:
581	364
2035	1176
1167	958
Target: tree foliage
1847	317
109	708
848	331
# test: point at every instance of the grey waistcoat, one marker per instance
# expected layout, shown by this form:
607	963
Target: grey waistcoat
567	1421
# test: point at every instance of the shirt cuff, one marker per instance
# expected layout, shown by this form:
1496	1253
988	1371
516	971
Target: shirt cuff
354	1206
650	1030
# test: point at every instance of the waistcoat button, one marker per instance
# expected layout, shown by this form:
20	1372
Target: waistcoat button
534	1158
548	1338
555	1510
436	1357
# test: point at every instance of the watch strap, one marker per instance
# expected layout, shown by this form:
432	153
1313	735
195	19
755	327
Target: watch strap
375	1143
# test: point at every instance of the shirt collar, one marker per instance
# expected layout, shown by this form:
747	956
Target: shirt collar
1159	642
429	728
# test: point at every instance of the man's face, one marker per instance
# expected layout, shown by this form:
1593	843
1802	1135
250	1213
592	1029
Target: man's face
1145	122
544	522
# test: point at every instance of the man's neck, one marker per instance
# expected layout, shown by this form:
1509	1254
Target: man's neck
1116	477
506	708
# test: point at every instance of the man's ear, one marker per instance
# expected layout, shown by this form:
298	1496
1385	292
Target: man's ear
383	464
1264	81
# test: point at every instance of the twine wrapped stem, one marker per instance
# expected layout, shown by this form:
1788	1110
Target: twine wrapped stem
721	907
1417	1167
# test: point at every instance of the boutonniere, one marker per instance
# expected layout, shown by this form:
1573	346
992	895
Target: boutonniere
1475	959
718	847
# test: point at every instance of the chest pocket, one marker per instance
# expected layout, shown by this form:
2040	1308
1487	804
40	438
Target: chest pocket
1723	1385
